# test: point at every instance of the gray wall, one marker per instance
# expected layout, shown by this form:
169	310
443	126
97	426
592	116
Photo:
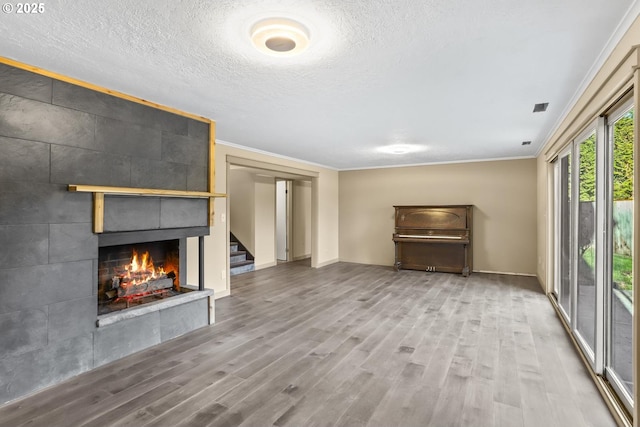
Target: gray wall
53	134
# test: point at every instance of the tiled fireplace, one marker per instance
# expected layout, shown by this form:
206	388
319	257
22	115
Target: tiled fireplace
68	290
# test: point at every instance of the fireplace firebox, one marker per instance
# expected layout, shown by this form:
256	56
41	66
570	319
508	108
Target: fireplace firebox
134	274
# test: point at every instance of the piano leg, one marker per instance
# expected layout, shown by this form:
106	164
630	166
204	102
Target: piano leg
465	270
396	265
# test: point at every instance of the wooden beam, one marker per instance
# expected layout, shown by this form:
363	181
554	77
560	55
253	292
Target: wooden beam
211	183
98	213
97	88
100	191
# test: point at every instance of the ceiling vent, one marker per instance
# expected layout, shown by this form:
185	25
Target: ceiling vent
539	108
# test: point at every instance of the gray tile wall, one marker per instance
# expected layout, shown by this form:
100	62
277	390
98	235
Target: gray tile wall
53	134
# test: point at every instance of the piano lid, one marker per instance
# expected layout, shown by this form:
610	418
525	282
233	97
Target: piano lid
450	217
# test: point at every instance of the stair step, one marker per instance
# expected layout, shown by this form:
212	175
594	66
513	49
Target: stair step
238	262
241	267
237	256
241	263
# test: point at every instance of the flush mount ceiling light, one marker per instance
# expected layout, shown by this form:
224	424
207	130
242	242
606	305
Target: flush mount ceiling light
401	148
280	37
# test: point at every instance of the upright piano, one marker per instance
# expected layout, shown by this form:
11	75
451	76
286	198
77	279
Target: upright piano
434	238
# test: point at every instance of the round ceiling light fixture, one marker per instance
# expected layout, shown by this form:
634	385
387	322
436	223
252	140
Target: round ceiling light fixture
280	37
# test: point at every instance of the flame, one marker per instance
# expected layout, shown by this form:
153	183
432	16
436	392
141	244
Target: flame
141	269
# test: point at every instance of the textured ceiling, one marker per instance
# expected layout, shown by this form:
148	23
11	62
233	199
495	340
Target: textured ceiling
457	78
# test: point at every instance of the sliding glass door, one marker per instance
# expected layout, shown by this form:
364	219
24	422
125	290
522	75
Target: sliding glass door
594	244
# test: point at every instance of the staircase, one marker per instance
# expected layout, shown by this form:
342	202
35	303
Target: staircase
241	261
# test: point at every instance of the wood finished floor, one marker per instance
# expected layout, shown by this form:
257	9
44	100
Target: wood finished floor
345	345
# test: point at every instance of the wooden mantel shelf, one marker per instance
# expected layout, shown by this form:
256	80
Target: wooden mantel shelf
131	191
99	192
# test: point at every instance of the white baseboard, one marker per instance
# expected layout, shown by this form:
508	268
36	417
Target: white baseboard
324	264
509	273
222	294
212	309
266	265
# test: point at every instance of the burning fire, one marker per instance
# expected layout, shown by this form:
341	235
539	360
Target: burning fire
143	270
140	277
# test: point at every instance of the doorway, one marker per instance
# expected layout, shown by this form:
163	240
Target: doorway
270	210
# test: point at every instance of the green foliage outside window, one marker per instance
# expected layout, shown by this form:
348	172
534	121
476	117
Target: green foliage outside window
588	169
623	163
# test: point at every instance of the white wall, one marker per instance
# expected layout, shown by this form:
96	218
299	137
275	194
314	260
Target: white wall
241	197
265	221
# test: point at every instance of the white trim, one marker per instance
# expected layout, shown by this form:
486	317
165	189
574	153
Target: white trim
602	234
624	25
266	265
508	273
212	309
551	227
447	162
268	153
325	263
574	185
621	111
438	163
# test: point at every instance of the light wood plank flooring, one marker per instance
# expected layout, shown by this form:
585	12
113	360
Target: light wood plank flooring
345	345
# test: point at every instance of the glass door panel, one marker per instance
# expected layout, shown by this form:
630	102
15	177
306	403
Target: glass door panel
564	235
621	279
585	323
